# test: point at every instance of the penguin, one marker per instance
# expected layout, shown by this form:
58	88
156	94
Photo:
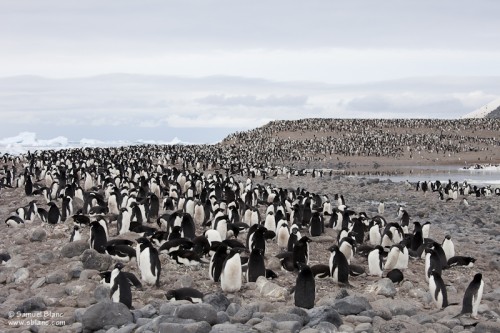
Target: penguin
305	288
256	265
375	261
381	207
374	234
395	275
294	237
461	261
186	257
256	239
14	221
440	252
448	247
75	234
120	252
321	271
54	215
216	263
97	239
301	251
437	289
339	268
473	295
283	234
185	294
123	222
316	226
67	208
392	257
148	261
403	257
432	263
4	257
426	230
347	246
44	215
230	277
120	286
417	238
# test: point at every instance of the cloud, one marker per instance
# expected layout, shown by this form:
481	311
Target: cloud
215	121
254	101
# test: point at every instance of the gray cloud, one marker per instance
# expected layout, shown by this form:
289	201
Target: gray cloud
254	101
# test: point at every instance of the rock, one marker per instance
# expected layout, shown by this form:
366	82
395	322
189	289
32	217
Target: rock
38	283
57	277
147	311
222	317
74	249
264	326
231	328
92	259
289	326
325	327
271	290
323	313
199	327
363	327
46	257
21	275
351	305
385	287
487	327
185	281
218	300
167	309
398	326
423	318
300	312
279	317
232	309
494	264
438	328
75	269
126	329
31	304
105	314
101	292
38	235
397	306
346	328
243	315
197	312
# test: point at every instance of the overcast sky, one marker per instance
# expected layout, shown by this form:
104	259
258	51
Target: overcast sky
203	69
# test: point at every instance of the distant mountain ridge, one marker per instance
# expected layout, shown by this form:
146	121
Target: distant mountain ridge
490	110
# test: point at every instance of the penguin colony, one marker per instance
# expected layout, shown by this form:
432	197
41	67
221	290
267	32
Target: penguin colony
221	223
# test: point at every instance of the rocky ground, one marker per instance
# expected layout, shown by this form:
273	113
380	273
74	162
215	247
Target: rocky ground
58	282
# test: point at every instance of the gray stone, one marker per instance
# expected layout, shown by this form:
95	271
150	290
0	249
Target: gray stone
264	326
38	235
46	257
325	327
300	312
438	328
385	287
254	321
101	292
31	304
148	311
167	309
324	313
126	329
38	283
184	281
232	328
351	305
92	259
363	327
423	318
271	290
232	309
105	314
396	327
279	317
243	315
397	306
289	326
346	328
57	277
197	312
75	269
199	327
449	322
74	249
487	327
222	317
218	300
21	275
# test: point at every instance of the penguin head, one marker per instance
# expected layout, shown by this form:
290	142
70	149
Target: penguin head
170	294
119	266
333	248
478	277
448	237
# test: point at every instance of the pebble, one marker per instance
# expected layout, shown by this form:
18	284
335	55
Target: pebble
74	249
92	259
198	312
38	235
385	287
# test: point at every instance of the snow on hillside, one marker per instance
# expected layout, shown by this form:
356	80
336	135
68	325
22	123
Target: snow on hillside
484	110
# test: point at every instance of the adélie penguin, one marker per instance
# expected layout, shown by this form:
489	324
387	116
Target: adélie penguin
305	288
120	286
185	294
148	261
231	272
437	288
473	295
